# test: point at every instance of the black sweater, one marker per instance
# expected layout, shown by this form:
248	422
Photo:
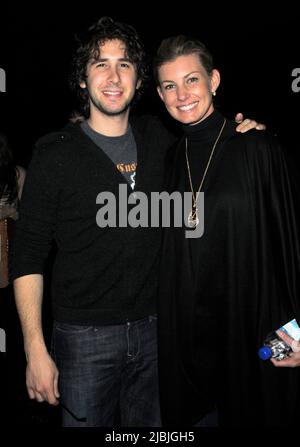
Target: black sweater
101	275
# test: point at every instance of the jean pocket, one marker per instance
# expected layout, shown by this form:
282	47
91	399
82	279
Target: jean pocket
71	328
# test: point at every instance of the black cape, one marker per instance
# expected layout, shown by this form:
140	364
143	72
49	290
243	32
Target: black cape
220	295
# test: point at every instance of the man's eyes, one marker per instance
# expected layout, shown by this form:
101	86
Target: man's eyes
105	65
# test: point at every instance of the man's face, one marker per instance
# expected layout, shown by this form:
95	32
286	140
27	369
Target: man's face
111	80
186	88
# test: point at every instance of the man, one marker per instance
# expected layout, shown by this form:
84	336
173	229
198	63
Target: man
104	280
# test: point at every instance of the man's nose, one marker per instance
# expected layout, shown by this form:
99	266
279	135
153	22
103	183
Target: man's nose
114	75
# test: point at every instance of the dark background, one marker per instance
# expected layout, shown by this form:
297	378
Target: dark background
255	50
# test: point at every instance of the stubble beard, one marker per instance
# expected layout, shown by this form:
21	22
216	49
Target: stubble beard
106	111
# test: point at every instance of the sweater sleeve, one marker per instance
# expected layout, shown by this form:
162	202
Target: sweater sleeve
38	208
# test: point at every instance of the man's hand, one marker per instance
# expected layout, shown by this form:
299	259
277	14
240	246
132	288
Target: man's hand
293	360
42	378
247	124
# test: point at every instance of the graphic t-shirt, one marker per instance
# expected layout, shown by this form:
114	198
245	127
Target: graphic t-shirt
121	150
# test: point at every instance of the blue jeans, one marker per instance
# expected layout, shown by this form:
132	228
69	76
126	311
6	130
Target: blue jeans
108	374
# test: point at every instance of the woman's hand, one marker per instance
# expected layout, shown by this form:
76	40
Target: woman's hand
293	360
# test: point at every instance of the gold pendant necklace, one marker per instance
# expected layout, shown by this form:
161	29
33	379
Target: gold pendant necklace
193	217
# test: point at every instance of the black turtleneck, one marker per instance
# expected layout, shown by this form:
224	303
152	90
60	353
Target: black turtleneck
222	293
200	141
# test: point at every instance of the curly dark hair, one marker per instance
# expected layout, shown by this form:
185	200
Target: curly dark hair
88	49
8	174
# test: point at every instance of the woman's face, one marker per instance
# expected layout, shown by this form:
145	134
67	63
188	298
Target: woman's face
186	88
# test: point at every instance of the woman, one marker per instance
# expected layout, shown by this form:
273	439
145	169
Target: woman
11	185
222	293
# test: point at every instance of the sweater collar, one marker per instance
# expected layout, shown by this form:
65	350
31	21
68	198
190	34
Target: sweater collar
206	130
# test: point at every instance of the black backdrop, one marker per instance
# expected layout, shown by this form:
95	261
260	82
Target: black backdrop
255	49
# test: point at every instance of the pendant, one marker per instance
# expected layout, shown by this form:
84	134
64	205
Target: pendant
193	218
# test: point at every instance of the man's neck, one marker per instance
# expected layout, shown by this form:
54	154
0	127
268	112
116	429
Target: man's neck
111	126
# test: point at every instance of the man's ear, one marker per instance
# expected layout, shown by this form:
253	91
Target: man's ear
82	84
215	80
160	93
